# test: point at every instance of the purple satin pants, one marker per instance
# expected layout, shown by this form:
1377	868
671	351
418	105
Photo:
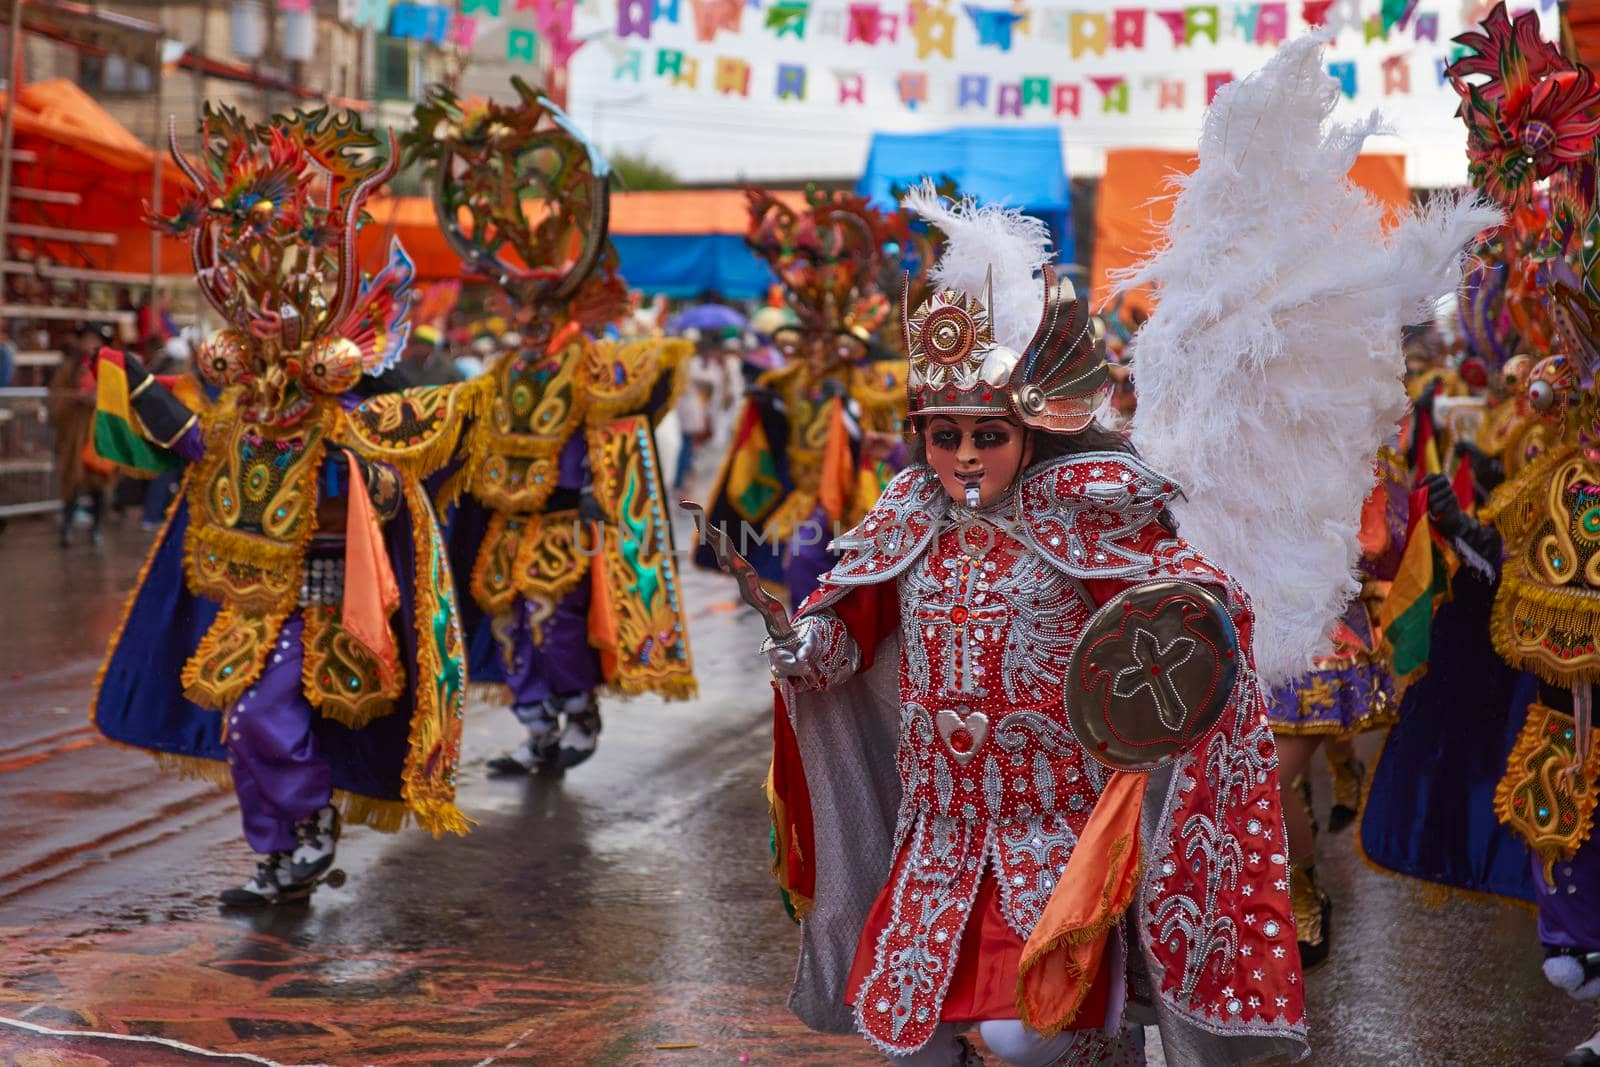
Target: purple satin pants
1569	911
278	774
563	663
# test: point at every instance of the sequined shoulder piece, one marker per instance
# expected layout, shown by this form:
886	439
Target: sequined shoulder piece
415	429
1083	512
619	377
894	533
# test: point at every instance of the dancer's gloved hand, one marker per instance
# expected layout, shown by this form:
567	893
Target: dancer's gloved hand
803	661
1443	507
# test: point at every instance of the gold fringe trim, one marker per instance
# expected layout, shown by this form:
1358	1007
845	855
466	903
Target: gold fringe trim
1534	741
463	403
1082	936
1548	609
355	809
490	692
645	360
1379	719
1430	894
432	797
672	688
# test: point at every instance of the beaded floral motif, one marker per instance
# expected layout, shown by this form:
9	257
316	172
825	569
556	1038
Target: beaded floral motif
898	1004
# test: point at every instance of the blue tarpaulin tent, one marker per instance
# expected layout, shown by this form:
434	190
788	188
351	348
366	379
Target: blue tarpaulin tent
691	242
684	266
1020	166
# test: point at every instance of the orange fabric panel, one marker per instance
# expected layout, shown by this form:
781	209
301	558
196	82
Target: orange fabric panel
59	111
688	211
674	211
1134	202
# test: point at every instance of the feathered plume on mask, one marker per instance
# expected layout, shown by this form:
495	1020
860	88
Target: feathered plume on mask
1270	372
977	239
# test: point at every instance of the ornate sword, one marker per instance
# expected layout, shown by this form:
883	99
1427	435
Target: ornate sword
770	608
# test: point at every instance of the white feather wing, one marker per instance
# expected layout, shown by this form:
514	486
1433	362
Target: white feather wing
1270	372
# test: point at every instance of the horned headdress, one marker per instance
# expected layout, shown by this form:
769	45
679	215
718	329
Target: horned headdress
271	223
524	199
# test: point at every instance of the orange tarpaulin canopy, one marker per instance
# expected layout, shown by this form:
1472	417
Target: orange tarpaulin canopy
1134	201
668	212
77	147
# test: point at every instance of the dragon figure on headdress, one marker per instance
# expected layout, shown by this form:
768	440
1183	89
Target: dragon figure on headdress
816	440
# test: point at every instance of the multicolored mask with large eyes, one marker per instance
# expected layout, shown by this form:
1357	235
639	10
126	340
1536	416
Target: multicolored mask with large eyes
1551	383
225	358
271	223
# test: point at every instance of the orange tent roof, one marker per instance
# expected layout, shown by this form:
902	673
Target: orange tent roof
668	212
76	147
1134	202
60	112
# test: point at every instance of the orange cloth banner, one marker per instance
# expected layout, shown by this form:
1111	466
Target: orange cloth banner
371	593
1134	201
1068	944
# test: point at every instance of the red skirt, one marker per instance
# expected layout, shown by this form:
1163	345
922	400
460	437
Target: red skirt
984	985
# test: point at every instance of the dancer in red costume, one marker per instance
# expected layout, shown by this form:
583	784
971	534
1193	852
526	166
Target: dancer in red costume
940	641
1082	834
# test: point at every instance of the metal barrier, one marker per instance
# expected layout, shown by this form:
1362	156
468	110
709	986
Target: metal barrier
27	453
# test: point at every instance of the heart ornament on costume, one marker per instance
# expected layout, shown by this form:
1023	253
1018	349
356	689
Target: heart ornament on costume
963	737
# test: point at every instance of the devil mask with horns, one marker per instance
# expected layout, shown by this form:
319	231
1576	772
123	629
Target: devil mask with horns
272	222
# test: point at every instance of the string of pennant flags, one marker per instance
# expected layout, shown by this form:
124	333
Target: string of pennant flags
644	41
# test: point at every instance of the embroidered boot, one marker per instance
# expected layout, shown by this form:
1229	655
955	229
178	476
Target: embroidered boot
539	750
1349	778
1313	914
265	889
581	733
316	839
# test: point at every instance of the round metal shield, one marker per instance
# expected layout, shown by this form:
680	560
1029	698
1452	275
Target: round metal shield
1151	675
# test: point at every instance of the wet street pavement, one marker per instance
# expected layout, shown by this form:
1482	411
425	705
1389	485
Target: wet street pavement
623	915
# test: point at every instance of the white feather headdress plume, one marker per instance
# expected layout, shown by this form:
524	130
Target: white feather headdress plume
1270	372
977	239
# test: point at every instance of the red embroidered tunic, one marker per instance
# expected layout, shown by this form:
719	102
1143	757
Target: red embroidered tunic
995	789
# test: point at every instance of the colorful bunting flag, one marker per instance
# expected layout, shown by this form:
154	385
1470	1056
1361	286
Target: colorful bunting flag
994	25
934	28
912	86
791	81
788	18
972	90
634	18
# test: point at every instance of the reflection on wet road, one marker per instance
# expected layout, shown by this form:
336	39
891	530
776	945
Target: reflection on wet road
624	915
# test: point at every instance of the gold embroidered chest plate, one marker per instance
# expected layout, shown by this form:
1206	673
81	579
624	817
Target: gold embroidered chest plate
516	452
253	508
